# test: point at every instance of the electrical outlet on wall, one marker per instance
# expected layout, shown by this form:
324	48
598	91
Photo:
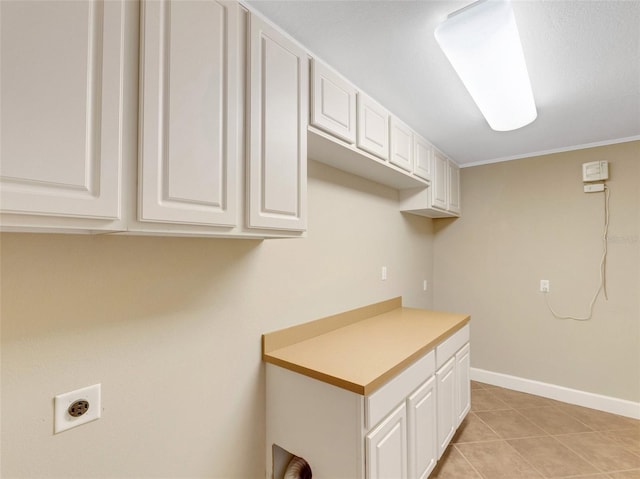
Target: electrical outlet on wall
76	407
544	285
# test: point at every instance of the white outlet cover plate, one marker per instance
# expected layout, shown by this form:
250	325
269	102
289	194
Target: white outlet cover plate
62	420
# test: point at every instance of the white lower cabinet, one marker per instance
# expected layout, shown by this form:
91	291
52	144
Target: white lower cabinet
386	447
453	385
446	378
421	419
463	383
398	431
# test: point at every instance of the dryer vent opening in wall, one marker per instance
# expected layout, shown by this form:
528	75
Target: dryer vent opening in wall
289	466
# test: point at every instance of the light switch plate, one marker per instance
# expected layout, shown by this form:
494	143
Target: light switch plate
62	420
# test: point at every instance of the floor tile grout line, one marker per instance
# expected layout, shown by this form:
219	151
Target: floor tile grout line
513	448
583	457
616	443
542	474
482	476
571	417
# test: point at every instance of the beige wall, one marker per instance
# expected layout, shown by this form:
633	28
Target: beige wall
528	220
171	328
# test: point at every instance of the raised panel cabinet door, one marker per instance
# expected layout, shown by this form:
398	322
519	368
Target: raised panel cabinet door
421	426
440	181
333	102
463	387
278	108
423	153
386	447
446	404
62	102
373	127
401	153
454	188
188	112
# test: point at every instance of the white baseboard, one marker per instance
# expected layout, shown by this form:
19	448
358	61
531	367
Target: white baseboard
613	405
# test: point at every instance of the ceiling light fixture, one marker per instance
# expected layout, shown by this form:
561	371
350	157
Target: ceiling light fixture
483	45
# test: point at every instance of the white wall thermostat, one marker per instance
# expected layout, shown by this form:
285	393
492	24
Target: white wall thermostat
595	171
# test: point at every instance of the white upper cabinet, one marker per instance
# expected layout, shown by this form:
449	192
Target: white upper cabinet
189	112
440	184
373	127
422	157
333	103
401	153
442	197
61	117
453	182
278	120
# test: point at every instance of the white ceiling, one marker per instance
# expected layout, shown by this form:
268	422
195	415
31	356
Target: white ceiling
583	58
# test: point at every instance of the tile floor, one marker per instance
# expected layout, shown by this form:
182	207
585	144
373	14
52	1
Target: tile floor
513	435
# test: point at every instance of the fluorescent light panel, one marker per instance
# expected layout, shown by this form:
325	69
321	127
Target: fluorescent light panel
483	45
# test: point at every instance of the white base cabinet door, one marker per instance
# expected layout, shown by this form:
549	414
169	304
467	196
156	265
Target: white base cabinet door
189	112
446	387
386	447
61	119
463	386
421	429
278	111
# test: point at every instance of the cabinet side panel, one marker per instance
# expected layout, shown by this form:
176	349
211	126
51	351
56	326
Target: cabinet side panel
316	421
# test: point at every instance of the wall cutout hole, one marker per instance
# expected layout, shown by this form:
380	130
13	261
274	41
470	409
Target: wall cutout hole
78	408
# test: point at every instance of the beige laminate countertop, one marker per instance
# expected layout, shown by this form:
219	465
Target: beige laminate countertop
362	349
